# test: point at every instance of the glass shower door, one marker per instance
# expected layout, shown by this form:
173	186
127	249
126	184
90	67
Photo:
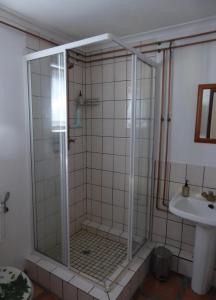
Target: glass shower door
48	113
142	149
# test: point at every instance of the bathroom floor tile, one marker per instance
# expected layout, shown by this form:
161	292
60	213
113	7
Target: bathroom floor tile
139	296
41	294
190	295
170	290
47	296
178	287
37	290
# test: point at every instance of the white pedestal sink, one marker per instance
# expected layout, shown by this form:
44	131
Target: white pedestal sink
203	213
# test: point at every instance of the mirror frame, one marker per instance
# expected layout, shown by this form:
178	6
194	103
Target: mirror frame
197	138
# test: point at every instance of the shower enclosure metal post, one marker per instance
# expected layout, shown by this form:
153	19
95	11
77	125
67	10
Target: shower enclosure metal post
34	239
132	154
64	168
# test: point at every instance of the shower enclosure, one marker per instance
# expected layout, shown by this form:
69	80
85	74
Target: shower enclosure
91	115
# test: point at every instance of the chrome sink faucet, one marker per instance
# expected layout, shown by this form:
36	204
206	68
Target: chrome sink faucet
210	196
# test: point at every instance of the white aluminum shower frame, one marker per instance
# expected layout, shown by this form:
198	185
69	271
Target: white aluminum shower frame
107	37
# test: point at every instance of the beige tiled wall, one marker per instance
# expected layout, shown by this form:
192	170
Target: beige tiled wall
168	228
77	149
108	140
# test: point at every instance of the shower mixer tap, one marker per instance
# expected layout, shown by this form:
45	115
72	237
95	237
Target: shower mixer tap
4	203
72	140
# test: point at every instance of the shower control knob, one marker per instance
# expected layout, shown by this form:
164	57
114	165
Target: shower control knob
4	203
72	140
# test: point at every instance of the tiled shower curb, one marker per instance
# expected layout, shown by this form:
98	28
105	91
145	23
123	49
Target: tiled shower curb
71	286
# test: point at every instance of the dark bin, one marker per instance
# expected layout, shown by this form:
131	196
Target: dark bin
161	263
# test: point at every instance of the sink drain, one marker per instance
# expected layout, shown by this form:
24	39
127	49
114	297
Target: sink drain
211	206
86	252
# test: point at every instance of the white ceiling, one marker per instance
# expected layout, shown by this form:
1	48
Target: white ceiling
82	18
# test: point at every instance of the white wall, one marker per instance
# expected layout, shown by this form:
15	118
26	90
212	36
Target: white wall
14	153
192	66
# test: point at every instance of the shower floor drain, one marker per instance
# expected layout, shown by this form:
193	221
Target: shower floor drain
86	252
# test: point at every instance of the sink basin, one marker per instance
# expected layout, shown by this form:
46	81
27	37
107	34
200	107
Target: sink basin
195	208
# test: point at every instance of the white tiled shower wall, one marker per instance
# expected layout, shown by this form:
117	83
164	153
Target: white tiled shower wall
108	140
99	157
77	149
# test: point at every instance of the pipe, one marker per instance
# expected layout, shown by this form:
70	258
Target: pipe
176	39
36	36
28	32
117	50
157	43
153	50
161	128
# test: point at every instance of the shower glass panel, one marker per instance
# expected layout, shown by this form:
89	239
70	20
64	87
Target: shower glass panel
142	143
49	154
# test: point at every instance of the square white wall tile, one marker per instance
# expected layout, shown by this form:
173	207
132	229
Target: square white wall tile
120	128
118	214
185	267
106	195
210	177
32	270
84	296
108	73
44	278
108	91
99	294
56	285
96	74
69	291
107	179
118	198
108	162
108	125
108	145
119	181
65	275
195	175
120	90
178	172
188	234
108	109
174	230
159	226
120	109
107	211
120	71
82	284
119	146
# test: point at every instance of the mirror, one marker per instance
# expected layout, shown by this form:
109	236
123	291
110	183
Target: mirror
205	131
